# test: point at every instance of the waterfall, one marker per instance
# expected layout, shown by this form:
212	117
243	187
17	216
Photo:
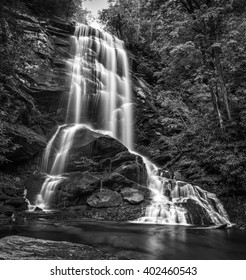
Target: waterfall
171	202
100	97
161	210
100	93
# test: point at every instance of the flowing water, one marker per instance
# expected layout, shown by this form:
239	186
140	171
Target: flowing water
141	241
100	97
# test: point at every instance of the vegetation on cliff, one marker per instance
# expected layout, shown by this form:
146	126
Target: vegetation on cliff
192	52
30	51
34	41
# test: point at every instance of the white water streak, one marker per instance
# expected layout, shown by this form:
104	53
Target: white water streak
112	107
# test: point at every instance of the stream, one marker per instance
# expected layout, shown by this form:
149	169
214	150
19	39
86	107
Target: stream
140	241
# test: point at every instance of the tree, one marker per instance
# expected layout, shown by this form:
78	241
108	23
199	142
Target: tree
121	19
67	9
193	52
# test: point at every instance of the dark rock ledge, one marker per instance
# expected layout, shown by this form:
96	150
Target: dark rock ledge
25	248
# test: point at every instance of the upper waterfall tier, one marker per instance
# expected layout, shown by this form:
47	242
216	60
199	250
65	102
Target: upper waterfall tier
100	96
100	92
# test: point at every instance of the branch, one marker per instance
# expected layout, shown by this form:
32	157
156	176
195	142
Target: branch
170	163
185	4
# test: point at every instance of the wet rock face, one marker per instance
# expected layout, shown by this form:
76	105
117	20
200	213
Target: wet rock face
33	80
98	153
94	146
80	183
12	195
29	143
134	172
95	152
116	181
75	188
34	77
201	207
196	214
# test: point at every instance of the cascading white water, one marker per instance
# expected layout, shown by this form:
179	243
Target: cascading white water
100	88
161	210
100	96
170	197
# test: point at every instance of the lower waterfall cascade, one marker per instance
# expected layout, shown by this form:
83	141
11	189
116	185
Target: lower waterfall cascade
100	99
169	197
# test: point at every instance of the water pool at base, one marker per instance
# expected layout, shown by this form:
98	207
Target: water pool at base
140	241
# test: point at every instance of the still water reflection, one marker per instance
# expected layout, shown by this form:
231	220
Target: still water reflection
142	241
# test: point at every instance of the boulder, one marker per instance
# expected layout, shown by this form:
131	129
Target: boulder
95	152
95	161
93	145
133	196
25	248
105	198
89	149
126	212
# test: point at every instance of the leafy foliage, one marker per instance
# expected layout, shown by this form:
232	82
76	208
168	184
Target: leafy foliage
193	52
61	8
6	145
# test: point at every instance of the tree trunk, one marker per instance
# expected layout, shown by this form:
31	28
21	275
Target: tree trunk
222	83
216	105
139	22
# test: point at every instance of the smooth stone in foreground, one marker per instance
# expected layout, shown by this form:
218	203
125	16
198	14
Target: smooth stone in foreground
25	248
